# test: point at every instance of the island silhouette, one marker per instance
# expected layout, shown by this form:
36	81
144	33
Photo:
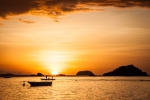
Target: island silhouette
129	70
38	74
85	73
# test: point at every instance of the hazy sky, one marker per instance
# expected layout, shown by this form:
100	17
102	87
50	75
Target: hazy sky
72	35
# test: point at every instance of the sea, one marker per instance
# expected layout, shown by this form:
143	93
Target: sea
77	88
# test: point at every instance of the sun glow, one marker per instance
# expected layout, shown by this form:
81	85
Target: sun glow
54	73
54	60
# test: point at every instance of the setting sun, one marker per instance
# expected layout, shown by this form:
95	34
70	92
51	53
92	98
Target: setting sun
54	73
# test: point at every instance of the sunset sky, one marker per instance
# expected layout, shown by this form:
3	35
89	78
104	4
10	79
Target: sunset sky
72	35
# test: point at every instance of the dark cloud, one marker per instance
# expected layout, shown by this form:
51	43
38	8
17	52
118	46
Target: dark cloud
15	7
64	5
26	21
59	7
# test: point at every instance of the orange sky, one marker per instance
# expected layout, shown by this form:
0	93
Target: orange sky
69	36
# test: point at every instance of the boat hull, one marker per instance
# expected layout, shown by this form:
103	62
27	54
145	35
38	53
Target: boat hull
40	83
6	77
47	79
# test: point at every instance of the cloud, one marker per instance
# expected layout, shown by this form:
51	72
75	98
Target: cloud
54	8
26	21
15	7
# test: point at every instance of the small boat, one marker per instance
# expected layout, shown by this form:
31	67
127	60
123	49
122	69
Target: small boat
6	77
47	78
40	83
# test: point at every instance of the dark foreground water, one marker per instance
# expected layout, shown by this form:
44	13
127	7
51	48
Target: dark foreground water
77	88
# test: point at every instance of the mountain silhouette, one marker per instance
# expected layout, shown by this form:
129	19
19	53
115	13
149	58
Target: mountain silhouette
128	70
85	73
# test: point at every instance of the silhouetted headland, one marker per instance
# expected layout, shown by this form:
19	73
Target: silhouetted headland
38	74
128	70
85	73
8	75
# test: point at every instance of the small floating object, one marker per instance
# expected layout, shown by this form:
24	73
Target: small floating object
23	83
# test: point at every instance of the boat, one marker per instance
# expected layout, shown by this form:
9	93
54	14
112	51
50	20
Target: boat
47	79
6	77
47	83
41	83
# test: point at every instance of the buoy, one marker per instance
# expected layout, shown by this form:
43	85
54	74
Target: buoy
23	83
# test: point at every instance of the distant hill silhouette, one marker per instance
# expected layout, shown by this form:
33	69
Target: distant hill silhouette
128	70
8	74
38	74
85	73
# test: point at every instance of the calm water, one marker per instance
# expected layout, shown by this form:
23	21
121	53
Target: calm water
77	88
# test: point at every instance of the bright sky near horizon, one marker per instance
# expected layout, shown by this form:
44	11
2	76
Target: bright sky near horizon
72	35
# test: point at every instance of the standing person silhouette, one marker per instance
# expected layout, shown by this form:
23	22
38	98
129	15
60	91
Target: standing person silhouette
46	77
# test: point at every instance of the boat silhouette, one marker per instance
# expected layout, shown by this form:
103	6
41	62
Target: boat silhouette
46	83
47	79
41	83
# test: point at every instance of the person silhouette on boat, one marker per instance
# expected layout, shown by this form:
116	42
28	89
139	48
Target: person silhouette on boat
46	77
